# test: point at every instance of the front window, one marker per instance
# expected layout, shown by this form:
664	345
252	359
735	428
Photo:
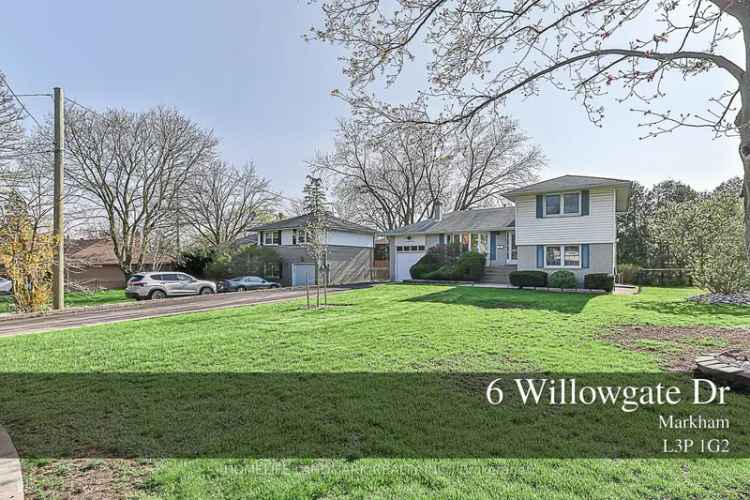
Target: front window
552	204
301	237
481	244
573	256
562	204
553	257
572	203
272	238
562	256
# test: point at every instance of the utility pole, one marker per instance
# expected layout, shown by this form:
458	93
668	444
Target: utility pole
58	284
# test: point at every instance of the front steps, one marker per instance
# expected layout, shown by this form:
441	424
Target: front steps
498	274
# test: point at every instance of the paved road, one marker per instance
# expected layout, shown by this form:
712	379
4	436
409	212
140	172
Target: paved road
73	318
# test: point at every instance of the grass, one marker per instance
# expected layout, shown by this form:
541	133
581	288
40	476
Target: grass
78	299
396	329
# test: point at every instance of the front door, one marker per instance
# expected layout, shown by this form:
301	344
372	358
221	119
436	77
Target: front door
499	244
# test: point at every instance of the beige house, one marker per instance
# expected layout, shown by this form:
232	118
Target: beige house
92	263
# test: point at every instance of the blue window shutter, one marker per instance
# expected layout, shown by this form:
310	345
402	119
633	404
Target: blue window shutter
442	239
585	202
585	257
493	245
260	238
539	207
540	256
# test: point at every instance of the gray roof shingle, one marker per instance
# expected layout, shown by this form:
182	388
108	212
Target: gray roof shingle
566	182
483	219
300	221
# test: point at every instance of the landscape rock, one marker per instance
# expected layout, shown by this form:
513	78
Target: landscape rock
736	299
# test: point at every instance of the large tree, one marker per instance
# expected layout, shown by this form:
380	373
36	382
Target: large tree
221	202
389	174
392	174
483	51
489	157
130	168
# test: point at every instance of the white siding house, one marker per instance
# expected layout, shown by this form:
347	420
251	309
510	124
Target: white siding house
568	222
599	226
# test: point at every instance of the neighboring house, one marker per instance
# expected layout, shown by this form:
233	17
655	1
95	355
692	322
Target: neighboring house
349	250
564	223
250	239
92	263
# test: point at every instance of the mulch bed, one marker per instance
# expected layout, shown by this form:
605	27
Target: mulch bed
684	342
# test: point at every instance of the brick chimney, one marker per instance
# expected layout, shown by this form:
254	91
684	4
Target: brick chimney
437	211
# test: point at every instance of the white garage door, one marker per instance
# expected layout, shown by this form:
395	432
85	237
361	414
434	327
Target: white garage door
404	261
303	273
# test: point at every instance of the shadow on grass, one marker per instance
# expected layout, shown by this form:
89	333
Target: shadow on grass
346	415
489	298
692	309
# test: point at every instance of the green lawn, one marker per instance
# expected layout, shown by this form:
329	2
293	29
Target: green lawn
79	299
398	328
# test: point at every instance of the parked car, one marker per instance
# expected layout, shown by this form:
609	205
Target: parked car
6	286
159	285
242	283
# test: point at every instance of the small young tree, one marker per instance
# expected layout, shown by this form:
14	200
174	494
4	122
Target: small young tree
26	257
316	229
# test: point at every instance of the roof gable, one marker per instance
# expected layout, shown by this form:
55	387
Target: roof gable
300	221
568	182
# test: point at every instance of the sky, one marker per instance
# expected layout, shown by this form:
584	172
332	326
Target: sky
242	69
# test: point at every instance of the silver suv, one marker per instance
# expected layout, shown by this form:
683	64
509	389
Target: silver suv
159	285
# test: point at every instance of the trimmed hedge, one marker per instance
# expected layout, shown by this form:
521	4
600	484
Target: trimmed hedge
528	278
599	281
562	279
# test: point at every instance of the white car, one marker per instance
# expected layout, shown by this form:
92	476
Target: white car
6	286
160	285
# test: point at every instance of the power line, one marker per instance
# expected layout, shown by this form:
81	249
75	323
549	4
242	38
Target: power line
23	106
23	155
81	105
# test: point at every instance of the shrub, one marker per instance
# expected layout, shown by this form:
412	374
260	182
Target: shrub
599	281
26	256
528	279
444	273
470	266
431	261
195	262
629	273
562	279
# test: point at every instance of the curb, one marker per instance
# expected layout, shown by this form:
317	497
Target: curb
118	306
11	478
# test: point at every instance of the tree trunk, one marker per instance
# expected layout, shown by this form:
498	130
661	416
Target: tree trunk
744	151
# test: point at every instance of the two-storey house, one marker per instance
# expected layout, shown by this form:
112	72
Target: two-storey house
348	257
568	222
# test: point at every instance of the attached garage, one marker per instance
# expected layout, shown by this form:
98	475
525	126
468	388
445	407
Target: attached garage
407	252
303	274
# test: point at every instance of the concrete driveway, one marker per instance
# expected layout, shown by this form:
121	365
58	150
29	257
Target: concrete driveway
75	317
